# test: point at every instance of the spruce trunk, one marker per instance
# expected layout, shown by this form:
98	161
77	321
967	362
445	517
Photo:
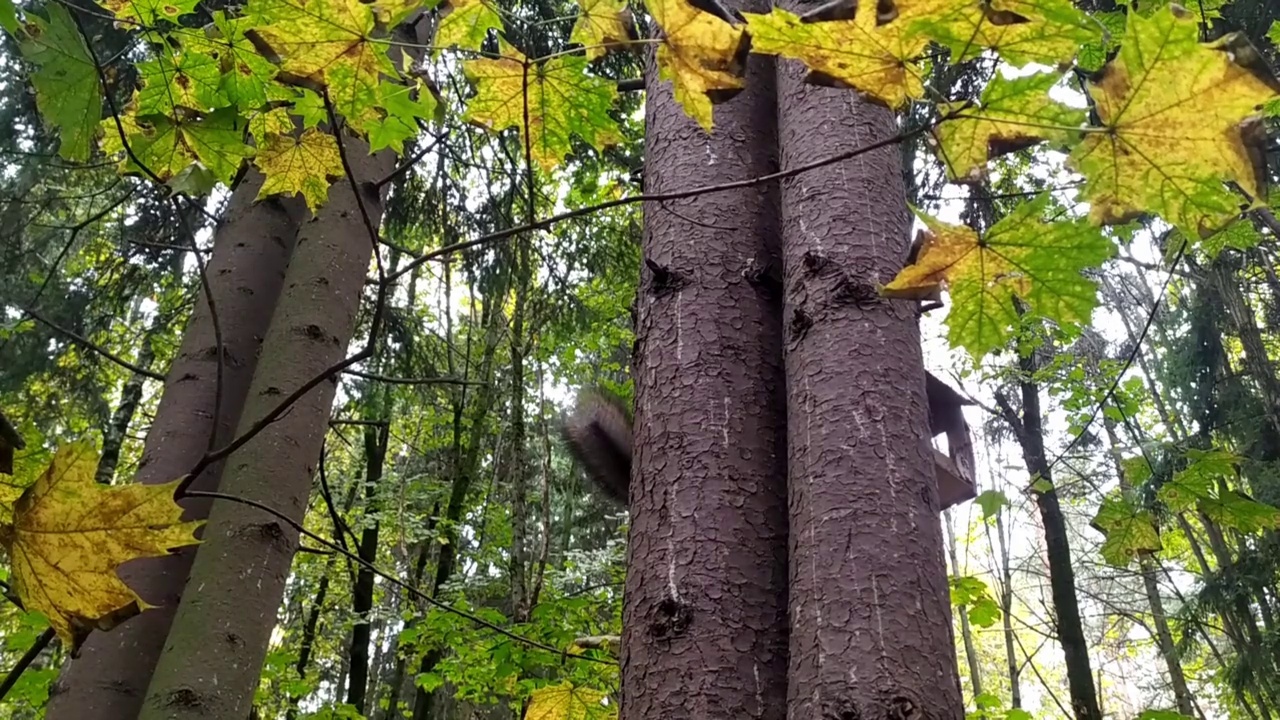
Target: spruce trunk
871	633
704	609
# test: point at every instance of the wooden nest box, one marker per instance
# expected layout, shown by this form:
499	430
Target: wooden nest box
955	469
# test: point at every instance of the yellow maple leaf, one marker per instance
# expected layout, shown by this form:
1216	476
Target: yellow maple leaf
702	55
862	50
302	166
602	25
558	97
69	534
567	702
1175	128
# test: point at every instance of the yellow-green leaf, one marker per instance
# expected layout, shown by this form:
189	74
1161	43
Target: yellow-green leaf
148	12
69	534
567	702
302	166
1012	114
1129	530
878	58
1021	256
602	25
702	55
65	78
316	38
1173	114
558	96
465	25
1049	32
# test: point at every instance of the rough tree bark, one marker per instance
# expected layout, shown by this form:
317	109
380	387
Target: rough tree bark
871	634
213	657
704	608
251	250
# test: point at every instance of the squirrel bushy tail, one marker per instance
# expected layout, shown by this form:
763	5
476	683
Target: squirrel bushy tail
598	435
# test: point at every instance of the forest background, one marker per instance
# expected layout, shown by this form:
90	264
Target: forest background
503	201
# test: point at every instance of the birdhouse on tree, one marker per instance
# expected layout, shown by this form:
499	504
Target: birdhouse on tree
954	469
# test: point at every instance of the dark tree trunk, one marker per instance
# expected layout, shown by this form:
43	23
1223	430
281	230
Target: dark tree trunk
1062	581
108	680
375	453
871	633
704	608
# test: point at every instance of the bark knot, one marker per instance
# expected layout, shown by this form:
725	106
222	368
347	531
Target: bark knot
664	280
674	617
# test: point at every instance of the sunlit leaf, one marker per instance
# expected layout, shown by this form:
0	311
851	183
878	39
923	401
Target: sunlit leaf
558	97
318	38
991	502
1173	112
972	594
149	12
187	79
69	534
299	166
1049	32
1021	256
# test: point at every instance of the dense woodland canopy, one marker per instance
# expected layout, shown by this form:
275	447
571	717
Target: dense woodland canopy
358	348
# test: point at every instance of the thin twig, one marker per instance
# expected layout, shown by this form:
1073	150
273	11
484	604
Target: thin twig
410	381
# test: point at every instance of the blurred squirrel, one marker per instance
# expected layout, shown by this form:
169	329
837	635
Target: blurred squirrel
598	435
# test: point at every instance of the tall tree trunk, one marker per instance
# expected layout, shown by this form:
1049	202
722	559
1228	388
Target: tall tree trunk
704	608
1245	324
309	630
1147	566
252	246
966	632
375	454
871	633
213	657
1062	582
518	469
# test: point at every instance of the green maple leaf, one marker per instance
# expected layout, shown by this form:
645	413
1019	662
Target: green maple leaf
299	166
1020	256
1049	32
1174	129
1011	115
187	79
972	594
9	17
1198	479
1239	235
1129	529
465	25
558	96
246	77
65	79
1237	511
165	146
404	105
991	501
